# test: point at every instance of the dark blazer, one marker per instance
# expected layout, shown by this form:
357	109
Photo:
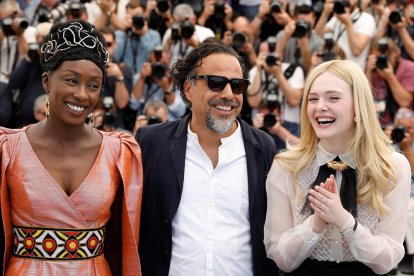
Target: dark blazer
163	148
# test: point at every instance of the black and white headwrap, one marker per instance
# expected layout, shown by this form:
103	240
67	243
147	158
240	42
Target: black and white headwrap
74	40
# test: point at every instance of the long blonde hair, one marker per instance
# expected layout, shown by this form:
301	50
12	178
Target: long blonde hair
370	146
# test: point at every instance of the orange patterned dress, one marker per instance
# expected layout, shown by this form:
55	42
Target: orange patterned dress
30	197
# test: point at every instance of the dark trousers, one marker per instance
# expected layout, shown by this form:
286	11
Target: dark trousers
324	268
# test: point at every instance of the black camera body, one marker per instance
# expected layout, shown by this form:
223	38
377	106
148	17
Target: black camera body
269	120
382	62
271	60
339	6
153	119
187	29
302	28
163	6
76	9
271	42
33	52
138	21
397	134
219	11
7	25
276	6
239	39
395	17
158	70
108	117
175	32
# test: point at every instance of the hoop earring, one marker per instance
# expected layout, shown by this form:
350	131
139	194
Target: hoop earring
47	107
91	120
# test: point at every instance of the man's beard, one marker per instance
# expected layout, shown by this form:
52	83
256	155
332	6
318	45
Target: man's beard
219	125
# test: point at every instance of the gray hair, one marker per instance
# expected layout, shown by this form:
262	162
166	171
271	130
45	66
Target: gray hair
40	100
182	11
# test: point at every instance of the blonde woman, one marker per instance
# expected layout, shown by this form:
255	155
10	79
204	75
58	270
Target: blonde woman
337	201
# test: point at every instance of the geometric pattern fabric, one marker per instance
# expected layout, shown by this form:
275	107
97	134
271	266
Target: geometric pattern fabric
58	244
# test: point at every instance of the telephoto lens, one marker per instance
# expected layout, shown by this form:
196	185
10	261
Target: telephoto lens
339	6
302	28
163	6
269	120
382	62
395	17
271	60
175	32
138	21
276	6
187	29
158	70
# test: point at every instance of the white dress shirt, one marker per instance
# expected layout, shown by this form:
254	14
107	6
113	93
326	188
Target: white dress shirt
211	229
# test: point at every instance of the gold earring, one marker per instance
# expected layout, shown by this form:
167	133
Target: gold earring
47	107
91	120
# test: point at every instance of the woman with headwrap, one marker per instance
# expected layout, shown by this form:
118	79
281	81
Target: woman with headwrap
70	194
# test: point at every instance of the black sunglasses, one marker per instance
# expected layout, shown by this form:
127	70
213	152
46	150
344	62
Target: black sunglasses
218	83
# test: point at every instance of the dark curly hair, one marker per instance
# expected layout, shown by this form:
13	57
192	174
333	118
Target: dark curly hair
74	40
187	66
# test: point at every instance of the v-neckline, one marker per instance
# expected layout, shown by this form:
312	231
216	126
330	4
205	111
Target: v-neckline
49	175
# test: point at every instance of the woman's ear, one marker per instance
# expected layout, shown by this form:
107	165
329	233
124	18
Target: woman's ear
45	82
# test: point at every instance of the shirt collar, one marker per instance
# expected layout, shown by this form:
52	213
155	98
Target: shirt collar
235	135
323	157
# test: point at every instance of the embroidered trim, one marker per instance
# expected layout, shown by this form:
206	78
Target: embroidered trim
58	244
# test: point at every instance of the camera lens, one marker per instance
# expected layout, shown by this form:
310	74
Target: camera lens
239	39
153	119
138	21
175	35
187	29
163	6
398	134
301	29
339	7
382	62
269	120
158	70
271	60
275	7
395	17
219	11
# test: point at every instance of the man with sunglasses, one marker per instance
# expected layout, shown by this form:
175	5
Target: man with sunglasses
204	204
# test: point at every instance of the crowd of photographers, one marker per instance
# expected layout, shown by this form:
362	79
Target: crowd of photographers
280	41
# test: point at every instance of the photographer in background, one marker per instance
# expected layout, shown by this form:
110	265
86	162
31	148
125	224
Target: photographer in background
155	84
14	38
353	29
298	41
397	22
216	16
136	43
184	34
118	82
402	136
25	83
330	51
159	15
276	81
391	78
269	120
155	112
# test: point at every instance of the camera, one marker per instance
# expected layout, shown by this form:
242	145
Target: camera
239	39
163	6
339	6
153	119
7	25
75	9
395	17
56	14
108	117
138	21
219	11
397	134
175	32
158	70
276	6
158	52
269	120
271	42
271	60
382	45
382	62
302	28
33	52
187	29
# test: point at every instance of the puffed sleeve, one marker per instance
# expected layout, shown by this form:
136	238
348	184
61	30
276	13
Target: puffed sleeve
130	167
286	244
384	250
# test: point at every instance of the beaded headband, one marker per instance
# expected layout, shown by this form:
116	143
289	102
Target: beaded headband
74	40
